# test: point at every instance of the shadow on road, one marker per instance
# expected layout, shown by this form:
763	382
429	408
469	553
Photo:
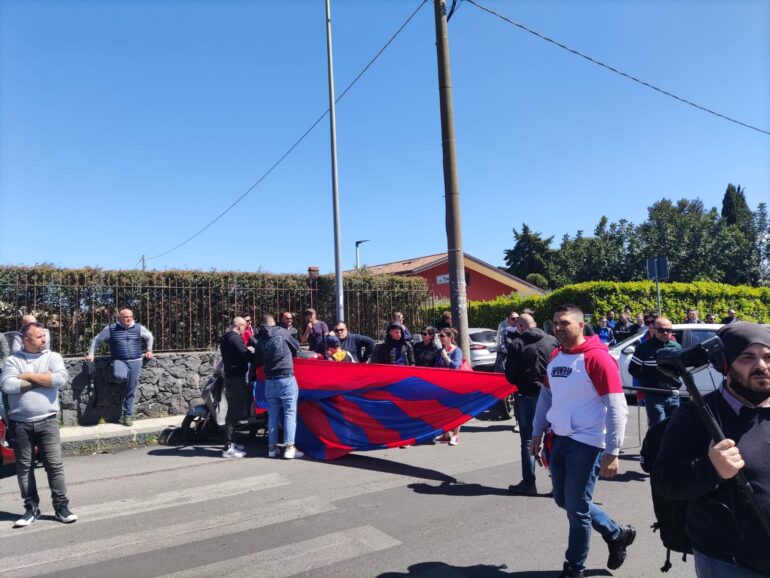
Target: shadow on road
629	476
462	489
444	570
380	465
477	429
191	451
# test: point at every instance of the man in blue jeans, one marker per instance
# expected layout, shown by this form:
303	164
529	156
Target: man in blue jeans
582	399
125	339
32	378
525	366
275	349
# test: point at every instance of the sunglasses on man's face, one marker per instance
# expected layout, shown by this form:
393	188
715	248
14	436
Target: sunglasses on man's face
664	330
424	333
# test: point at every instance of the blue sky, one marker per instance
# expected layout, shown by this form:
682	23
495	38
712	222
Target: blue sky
127	125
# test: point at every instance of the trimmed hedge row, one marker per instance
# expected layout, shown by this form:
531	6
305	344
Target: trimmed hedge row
598	297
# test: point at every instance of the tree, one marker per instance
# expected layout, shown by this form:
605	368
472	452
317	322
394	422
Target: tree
530	254
739	252
686	233
735	209
612	254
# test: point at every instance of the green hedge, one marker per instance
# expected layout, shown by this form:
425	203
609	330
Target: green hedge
597	297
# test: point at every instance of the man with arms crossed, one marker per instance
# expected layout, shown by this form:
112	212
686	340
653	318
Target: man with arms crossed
582	398
32	378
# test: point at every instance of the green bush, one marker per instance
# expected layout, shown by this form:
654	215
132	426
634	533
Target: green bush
598	297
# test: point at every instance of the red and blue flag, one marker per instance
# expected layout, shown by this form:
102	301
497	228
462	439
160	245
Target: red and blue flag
348	407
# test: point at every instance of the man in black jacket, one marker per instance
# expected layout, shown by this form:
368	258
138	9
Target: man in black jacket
359	346
275	349
525	367
235	359
727	537
644	367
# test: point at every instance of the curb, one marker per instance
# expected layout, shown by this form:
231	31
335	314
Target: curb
83	440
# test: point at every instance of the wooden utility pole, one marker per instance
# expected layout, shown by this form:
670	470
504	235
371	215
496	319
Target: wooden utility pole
457	296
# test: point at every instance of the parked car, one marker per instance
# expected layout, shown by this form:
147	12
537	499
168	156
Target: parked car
483	346
6	452
687	334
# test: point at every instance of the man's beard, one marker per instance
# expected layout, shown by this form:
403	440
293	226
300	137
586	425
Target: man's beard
752	396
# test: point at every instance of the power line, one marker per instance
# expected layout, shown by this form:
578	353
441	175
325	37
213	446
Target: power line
298	141
615	70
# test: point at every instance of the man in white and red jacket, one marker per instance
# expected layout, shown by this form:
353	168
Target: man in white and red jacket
583	401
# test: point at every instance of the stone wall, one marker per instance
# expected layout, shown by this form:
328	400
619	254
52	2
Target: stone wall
170	384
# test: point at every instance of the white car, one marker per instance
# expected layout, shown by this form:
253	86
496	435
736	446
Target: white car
483	346
687	334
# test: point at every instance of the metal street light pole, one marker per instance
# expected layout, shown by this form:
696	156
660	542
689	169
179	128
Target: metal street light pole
358	264
335	193
457	295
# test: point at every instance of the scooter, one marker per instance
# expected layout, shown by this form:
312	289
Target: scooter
203	421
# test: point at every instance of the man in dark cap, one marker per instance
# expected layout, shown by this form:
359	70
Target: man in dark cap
727	536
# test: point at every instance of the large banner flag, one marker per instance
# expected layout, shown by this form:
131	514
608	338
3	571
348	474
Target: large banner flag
348	407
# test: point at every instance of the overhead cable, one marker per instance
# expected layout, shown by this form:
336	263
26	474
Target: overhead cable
612	69
297	142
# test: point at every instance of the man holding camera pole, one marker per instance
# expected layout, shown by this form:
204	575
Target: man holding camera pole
729	537
644	367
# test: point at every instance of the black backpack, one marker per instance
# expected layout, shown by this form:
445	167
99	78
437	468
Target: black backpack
669	514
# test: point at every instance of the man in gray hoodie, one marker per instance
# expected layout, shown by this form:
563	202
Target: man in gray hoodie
275	350
32	378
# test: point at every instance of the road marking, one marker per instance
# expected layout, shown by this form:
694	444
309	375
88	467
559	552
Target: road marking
80	554
299	557
131	506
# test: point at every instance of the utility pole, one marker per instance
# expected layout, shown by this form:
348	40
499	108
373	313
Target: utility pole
144	265
335	193
457	296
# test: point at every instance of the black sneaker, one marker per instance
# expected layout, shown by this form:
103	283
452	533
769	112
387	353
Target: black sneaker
617	547
570	572
29	516
64	515
522	489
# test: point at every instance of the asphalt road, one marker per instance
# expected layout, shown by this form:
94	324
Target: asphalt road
428	511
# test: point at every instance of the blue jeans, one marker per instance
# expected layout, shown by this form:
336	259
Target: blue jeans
281	394
659	406
707	567
527	405
129	390
574	471
45	435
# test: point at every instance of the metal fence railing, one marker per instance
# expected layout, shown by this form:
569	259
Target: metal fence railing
192	317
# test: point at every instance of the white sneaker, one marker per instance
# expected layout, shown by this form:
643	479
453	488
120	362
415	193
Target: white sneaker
292	452
442	439
231	452
239	447
454	440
